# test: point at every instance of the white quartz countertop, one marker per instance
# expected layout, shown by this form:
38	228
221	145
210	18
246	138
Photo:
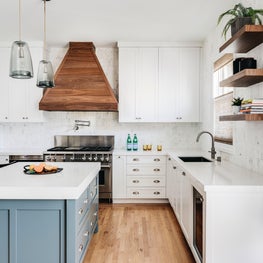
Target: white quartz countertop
67	184
221	176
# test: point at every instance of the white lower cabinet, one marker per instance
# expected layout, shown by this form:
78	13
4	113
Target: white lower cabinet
139	176
119	177
180	195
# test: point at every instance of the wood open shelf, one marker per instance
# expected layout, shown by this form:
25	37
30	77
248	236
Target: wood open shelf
242	117
244	78
248	37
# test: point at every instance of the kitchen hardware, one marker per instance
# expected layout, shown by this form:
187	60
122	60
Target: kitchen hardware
213	151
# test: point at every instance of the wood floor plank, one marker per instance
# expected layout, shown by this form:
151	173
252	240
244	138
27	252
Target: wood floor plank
138	233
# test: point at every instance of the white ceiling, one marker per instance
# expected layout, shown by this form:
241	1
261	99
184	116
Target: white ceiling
107	21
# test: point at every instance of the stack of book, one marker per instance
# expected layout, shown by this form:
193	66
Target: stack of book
254	106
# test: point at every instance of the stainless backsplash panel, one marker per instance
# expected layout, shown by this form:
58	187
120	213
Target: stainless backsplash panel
83	140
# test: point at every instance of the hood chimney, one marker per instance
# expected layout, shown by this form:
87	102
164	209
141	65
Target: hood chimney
81	84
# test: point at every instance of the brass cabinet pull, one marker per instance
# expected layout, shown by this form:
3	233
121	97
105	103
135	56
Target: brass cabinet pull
135	193
136	170
156	170
157	159
174	167
135	181
156	181
183	173
157	193
169	159
136	159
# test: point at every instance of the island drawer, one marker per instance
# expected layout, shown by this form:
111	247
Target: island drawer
82	205
83	238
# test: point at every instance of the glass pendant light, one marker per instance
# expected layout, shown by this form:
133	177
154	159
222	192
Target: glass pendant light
45	76
20	61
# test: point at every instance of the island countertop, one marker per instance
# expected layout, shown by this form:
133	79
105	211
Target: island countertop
67	184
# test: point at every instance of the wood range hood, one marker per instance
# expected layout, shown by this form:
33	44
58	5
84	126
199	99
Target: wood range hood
80	83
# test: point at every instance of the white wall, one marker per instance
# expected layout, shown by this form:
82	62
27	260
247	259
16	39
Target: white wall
247	150
39	136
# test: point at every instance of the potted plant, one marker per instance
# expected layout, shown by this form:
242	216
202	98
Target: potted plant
236	104
240	16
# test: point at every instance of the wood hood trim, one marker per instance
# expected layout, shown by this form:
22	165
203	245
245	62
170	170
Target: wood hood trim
81	84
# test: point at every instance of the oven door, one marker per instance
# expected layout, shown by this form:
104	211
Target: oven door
105	183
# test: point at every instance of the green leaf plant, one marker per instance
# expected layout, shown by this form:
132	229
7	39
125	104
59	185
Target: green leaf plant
240	11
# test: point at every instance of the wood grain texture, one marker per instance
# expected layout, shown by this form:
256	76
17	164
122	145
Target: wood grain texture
242	117
138	233
80	83
248	37
244	78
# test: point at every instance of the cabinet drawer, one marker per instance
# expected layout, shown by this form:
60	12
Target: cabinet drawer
83	238
93	188
150	181
133	192
146	170
82	206
93	216
146	159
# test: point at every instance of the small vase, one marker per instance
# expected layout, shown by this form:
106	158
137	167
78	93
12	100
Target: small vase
236	109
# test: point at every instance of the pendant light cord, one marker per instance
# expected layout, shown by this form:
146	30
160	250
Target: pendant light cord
45	32
19	22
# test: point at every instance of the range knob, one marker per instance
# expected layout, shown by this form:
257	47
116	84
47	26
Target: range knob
72	158
102	158
90	157
107	158
48	158
84	157
53	158
95	158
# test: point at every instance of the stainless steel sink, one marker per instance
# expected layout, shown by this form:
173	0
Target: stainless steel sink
195	159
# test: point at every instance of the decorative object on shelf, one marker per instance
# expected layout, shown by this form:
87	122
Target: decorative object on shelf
236	104
252	106
20	61
240	16
243	63
45	76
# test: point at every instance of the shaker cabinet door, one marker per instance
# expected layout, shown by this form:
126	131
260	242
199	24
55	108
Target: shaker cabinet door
189	84
168	92
159	84
138	80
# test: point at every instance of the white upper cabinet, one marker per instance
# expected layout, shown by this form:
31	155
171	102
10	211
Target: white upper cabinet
158	84
169	81
19	97
188	98
138	78
4	88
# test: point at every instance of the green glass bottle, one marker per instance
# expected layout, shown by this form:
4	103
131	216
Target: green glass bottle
135	143
129	143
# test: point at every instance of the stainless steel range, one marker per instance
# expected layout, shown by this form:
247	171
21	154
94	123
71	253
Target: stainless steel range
86	149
